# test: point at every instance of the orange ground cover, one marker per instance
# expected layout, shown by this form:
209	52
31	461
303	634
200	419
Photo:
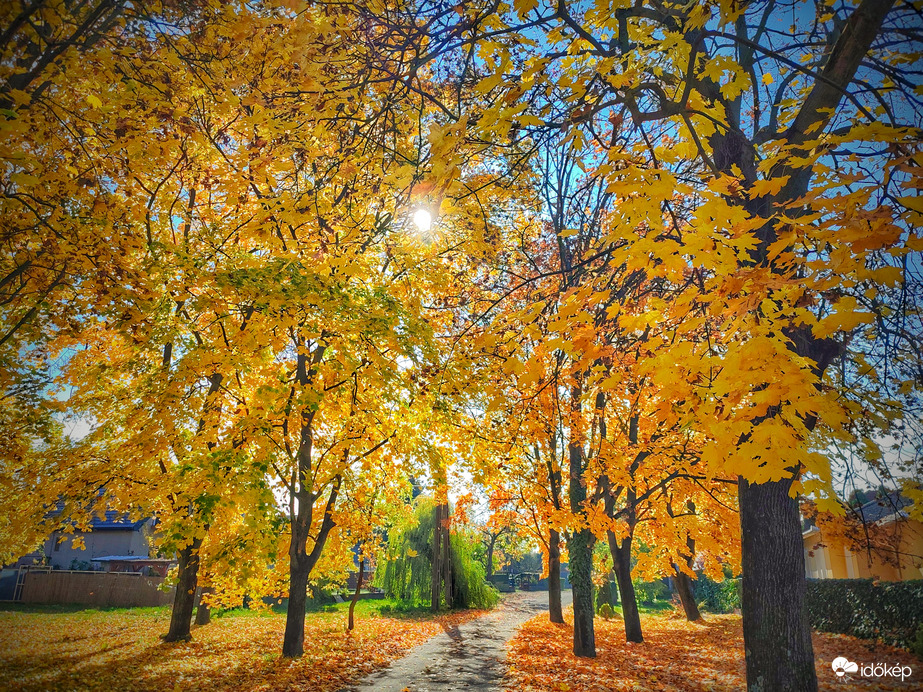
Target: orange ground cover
676	655
121	650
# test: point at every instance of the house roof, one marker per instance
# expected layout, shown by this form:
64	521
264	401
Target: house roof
884	507
131	558
109	521
115	521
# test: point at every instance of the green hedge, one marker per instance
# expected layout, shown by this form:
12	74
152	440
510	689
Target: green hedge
890	611
717	596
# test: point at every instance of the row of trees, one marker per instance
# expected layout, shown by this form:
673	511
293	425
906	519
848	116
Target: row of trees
675	260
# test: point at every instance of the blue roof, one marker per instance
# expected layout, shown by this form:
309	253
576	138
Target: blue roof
114	521
110	521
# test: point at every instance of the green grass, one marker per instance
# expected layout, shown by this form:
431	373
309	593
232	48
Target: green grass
655	607
55	608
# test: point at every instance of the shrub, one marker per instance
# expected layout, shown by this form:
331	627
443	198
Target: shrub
469	587
889	611
407	572
717	596
916	646
648	592
607	594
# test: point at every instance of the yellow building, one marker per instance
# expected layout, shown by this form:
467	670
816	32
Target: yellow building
877	540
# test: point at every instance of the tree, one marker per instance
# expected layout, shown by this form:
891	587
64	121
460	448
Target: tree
755	162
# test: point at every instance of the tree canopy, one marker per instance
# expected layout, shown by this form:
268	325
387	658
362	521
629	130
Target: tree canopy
668	280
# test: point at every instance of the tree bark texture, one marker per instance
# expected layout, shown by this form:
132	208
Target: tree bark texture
300	565
203	613
621	562
774	590
555	612
580	549
293	639
184	599
686	592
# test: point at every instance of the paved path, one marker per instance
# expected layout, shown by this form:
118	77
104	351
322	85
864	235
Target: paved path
470	657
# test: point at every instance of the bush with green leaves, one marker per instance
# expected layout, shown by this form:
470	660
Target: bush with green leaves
888	611
916	646
406	573
717	596
648	592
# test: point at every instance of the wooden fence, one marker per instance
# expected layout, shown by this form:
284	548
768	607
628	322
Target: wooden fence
114	589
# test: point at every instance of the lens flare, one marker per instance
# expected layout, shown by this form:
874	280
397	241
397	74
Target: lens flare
423	220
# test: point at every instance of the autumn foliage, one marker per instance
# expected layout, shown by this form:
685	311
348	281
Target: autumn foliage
676	656
101	650
668	283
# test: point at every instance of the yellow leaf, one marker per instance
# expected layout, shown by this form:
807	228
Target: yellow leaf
94	101
24	179
767	78
488	83
768	187
523	7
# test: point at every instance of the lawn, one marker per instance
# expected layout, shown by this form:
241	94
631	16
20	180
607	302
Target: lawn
676	656
68	649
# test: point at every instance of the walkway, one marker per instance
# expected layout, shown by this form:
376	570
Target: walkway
469	657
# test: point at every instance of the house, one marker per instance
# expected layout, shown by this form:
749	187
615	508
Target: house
875	540
113	535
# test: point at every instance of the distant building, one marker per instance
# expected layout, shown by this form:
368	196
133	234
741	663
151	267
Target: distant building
113	535
876	540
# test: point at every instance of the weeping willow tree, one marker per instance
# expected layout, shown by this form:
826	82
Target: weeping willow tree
406	574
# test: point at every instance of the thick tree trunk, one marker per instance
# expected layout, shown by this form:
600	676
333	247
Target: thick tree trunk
352	603
555	613
621	561
580	553
203	614
580	548
293	640
436	577
686	591
184	599
774	590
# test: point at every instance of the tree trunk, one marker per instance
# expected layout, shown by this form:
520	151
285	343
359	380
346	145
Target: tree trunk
203	614
774	590
686	593
352	603
555	613
293	640
580	547
447	557
300	565
184	599
621	562
489	567
436	578
777	636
